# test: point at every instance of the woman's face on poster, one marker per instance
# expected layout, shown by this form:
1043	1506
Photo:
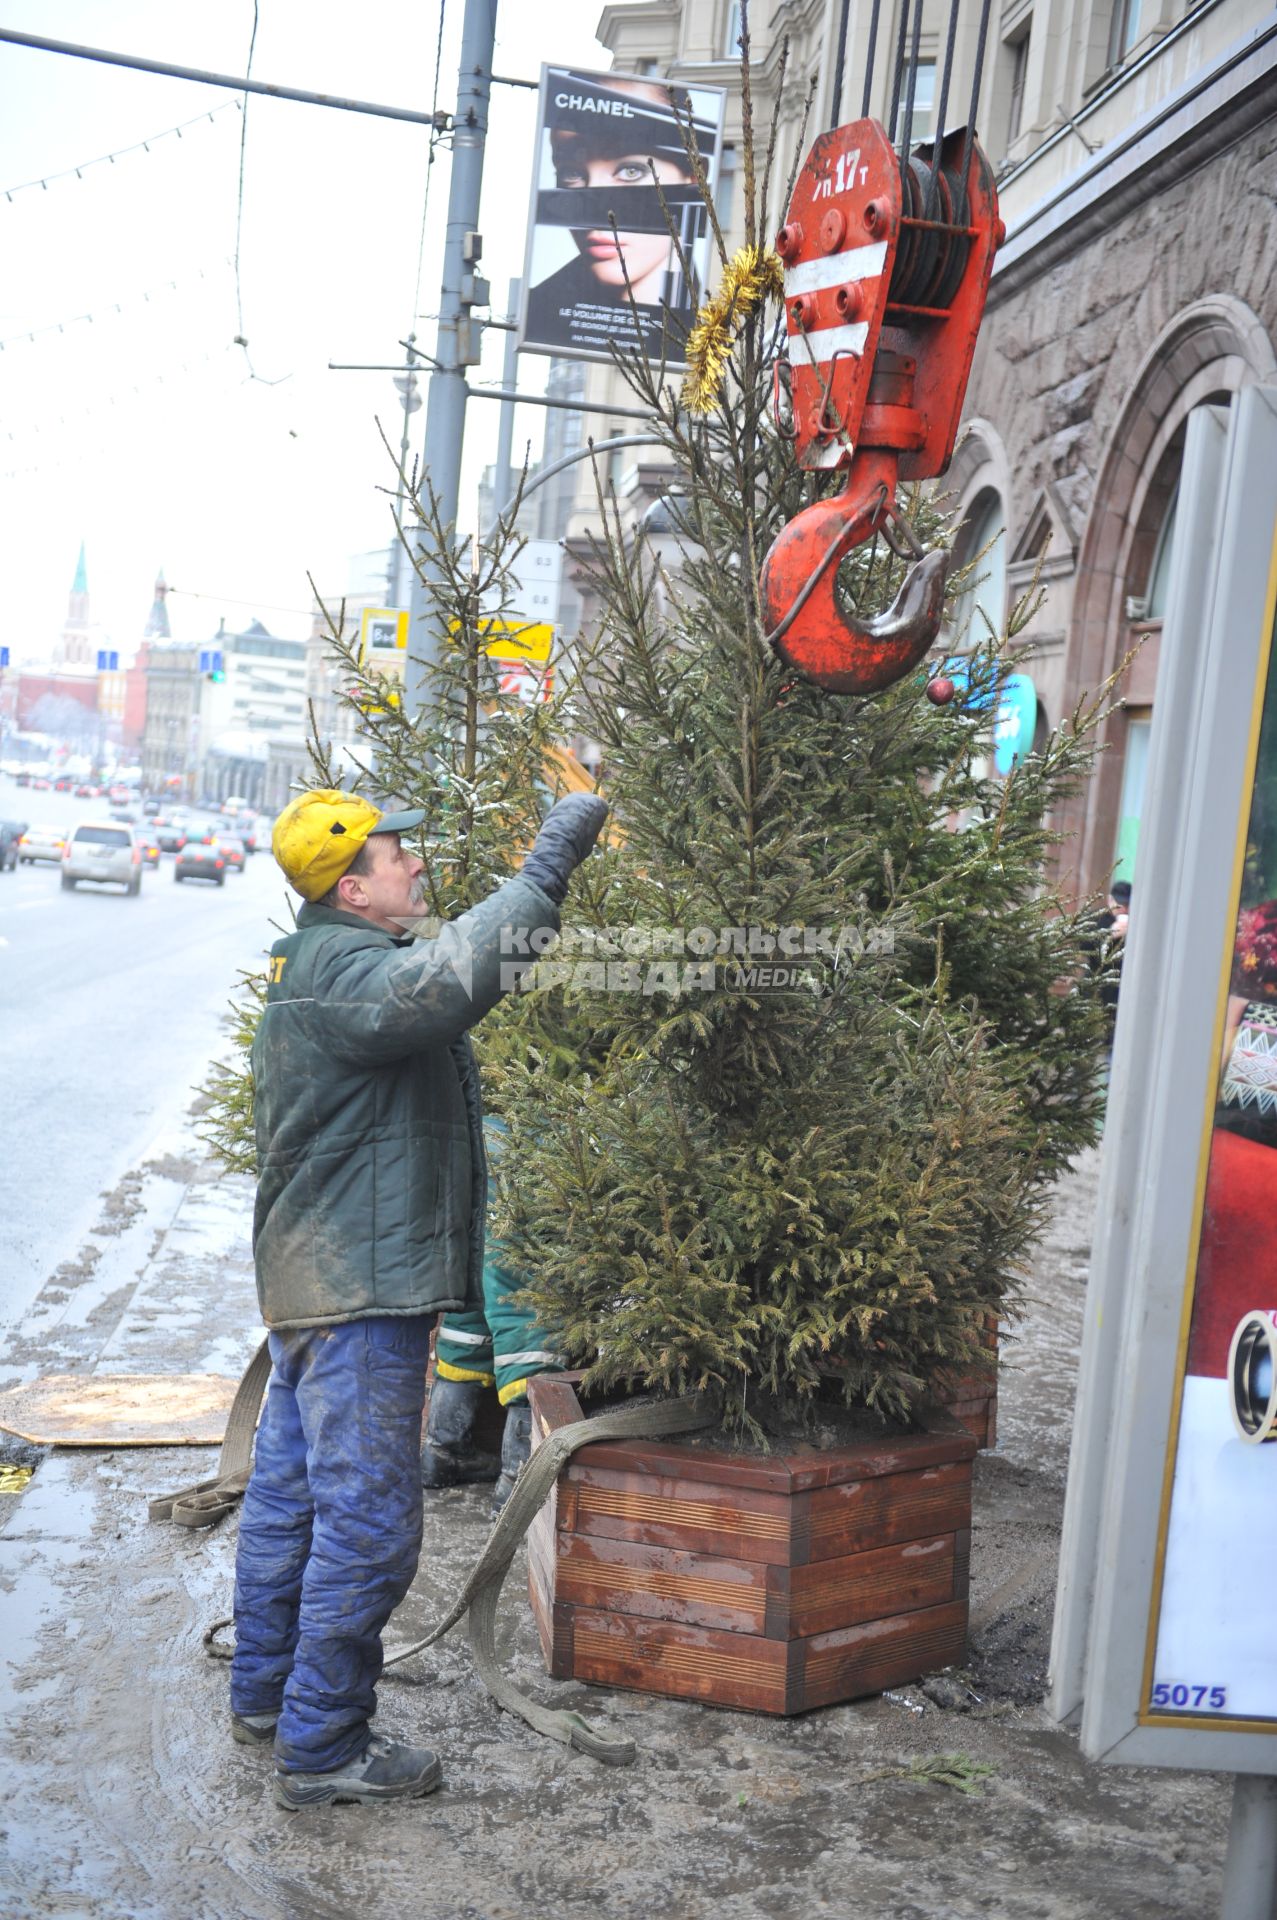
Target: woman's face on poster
615	258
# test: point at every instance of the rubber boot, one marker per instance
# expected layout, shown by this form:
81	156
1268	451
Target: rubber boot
254	1729
516	1446
385	1770
449	1457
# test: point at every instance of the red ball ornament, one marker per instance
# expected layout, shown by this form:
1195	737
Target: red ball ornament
941	690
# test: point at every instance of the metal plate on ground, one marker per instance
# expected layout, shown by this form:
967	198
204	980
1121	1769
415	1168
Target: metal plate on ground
120	1410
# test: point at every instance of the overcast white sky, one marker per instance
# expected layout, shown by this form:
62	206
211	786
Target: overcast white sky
142	431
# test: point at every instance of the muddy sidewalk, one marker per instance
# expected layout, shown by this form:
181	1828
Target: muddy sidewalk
124	1796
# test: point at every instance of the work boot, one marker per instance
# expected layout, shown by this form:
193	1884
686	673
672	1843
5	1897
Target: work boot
449	1457
516	1446
254	1729
385	1770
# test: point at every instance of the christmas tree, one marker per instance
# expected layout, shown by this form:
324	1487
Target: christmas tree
787	1103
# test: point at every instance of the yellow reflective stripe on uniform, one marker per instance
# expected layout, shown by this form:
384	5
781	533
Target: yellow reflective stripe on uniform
447	1372
516	1390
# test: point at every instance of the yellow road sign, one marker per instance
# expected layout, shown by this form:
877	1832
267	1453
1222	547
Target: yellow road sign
383	638
516	639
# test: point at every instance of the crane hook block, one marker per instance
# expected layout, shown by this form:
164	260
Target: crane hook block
887	265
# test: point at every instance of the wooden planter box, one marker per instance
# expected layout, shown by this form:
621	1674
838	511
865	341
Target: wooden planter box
975	1395
776	1582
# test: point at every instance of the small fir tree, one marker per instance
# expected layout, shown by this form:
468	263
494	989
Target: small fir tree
483	763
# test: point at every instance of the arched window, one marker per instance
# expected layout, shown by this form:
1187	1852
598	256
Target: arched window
981	612
1160	571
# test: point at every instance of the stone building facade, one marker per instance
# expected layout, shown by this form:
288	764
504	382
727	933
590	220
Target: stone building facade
1135	143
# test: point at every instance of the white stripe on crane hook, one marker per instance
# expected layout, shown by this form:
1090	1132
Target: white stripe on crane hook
821	345
833	269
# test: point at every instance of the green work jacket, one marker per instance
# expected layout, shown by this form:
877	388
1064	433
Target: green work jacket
372	1182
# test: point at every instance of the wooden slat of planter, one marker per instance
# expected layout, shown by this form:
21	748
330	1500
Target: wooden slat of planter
876	1585
962	1563
869	1513
690	1663
882	1653
792	1471
734	1596
979	1417
786	1471
688	1515
554	1625
620	1576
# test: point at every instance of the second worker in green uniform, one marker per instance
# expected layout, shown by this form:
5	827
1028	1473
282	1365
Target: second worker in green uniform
499	1346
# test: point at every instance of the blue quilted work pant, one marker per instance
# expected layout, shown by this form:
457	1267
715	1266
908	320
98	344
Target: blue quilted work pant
330	1532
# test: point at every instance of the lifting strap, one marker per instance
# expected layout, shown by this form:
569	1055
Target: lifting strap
204	1502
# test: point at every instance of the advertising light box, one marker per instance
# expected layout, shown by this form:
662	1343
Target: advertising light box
1163	1628
618	236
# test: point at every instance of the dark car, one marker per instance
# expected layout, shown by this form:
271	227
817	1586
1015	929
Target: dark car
201	859
233	850
11	831
170	832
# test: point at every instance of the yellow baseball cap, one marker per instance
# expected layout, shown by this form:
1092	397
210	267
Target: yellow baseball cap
319	833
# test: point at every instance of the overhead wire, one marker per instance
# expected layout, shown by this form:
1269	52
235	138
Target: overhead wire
108	312
241	339
119	153
430	156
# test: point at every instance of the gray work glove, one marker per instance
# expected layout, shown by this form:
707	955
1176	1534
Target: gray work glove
567	834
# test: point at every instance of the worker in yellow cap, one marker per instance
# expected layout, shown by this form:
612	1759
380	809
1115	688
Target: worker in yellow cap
372	1188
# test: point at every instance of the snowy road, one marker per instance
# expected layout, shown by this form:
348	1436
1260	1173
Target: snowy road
109	1010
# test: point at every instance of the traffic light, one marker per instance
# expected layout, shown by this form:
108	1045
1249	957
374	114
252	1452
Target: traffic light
211	665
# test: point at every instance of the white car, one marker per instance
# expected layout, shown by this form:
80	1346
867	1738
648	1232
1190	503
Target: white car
103	850
42	843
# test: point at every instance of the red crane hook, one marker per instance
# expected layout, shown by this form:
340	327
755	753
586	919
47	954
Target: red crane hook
808	627
887	264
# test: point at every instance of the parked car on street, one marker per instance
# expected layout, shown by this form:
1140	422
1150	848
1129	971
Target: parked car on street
201	859
102	850
42	843
233	850
11	832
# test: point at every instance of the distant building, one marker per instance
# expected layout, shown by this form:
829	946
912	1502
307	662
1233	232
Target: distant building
259	699
80	638
336	717
63	705
133	707
170	736
63	699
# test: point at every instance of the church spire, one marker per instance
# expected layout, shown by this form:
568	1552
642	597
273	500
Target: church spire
73	648
157	626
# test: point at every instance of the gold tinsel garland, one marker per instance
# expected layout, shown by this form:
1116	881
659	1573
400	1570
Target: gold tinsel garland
751	275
